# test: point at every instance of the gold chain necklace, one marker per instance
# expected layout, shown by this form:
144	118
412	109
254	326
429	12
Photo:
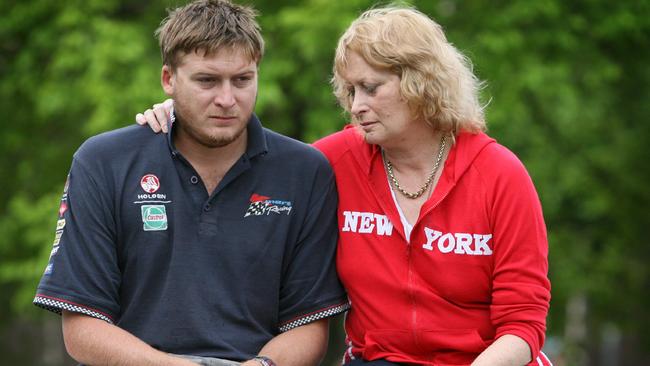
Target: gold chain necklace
427	183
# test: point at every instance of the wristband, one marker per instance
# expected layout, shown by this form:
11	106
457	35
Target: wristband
264	361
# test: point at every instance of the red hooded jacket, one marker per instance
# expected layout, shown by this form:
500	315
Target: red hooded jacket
475	267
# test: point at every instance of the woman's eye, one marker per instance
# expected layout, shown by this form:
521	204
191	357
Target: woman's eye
370	89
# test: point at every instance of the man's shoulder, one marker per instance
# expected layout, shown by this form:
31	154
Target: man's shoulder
284	146
119	141
118	149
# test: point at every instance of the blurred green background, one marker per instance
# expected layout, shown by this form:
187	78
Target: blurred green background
568	92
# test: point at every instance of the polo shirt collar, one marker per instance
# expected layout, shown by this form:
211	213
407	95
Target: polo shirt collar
256	140
170	125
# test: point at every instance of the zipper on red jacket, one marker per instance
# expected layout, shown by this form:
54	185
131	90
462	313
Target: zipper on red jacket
411	292
438	202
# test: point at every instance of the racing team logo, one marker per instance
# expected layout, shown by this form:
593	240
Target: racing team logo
263	205
150	183
154	217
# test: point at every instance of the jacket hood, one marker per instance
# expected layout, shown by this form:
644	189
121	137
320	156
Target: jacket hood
461	156
367	157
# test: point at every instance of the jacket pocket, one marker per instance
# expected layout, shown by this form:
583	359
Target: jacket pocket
453	340
444	346
383	343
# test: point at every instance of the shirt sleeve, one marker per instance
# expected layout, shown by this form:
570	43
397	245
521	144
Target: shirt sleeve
310	287
521	289
82	274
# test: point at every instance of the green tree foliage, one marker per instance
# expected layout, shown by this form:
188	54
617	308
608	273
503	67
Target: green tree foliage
567	81
567	85
69	70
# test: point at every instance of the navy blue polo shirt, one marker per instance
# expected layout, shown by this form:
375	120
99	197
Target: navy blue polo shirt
139	243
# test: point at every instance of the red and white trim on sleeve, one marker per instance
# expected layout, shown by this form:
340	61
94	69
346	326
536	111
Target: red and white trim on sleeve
57	305
308	318
348	356
542	360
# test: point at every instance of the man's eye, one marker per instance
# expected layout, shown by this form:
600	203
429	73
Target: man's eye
205	80
243	80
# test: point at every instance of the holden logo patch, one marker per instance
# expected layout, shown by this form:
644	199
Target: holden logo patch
150	183
154	217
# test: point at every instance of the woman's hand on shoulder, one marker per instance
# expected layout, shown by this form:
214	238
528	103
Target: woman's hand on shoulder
157	116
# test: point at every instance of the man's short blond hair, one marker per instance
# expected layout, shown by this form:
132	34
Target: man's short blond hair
435	78
207	26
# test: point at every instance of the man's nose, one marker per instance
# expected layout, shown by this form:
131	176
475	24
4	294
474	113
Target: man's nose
225	97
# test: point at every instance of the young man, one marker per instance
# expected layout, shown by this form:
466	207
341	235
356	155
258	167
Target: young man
213	244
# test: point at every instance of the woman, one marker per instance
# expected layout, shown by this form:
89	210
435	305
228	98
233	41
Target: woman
442	246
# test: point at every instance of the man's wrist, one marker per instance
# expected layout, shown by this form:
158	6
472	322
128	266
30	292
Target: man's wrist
264	361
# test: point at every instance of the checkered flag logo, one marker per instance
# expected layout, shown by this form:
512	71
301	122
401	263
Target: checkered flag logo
258	205
256	208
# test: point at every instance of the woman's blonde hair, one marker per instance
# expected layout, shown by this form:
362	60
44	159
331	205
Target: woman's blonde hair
435	78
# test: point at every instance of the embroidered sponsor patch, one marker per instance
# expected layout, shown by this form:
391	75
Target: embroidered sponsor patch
67	184
57	237
154	217
150	183
60	224
263	205
63	207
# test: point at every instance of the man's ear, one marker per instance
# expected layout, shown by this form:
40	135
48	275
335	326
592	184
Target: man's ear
167	79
